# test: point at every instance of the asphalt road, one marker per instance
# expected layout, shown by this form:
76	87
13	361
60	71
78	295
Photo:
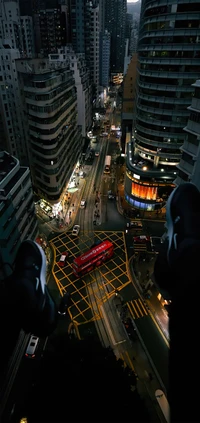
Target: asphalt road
114	273
112	227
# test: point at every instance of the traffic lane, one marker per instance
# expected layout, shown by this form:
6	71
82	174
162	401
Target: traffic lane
24	382
156	346
129	293
129	244
151	336
154	228
115	221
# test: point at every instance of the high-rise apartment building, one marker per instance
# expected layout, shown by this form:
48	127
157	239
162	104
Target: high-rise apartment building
84	21
18	220
92	47
10	25
28	41
128	28
13	122
134	36
55	139
128	99
189	165
115	23
50	21
169	64
104	59
83	84
16	40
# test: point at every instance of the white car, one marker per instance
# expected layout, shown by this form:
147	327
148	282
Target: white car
32	345
83	204
76	230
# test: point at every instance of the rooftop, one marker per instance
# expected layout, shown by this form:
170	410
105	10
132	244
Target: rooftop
7	163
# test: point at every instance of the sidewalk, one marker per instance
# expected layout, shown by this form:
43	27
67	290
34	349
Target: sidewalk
67	215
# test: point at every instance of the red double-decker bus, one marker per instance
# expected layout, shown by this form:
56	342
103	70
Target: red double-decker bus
97	255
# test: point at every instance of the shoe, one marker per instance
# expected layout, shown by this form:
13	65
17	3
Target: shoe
36	309
183	219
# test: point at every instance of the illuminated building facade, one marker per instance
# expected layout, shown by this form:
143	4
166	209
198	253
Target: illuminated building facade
168	66
55	138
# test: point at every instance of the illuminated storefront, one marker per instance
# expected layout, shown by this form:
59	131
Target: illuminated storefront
142	195
147	186
145	192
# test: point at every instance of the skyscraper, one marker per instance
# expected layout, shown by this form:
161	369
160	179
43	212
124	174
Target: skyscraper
115	23
84	21
13	122
10	31
50	20
82	82
55	138
169	63
18	219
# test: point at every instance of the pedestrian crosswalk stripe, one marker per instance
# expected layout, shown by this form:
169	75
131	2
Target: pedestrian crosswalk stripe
134	308
137	308
140	247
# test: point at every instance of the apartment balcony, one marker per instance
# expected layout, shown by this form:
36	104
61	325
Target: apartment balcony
171	17
42	161
165	87
190	148
169	61
51	126
41	90
185	167
169	33
169	75
47	110
44	147
44	126
56	149
51	100
45	137
159	153
162	134
193	127
169	145
165	100
165	112
163	123
195	104
169	47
